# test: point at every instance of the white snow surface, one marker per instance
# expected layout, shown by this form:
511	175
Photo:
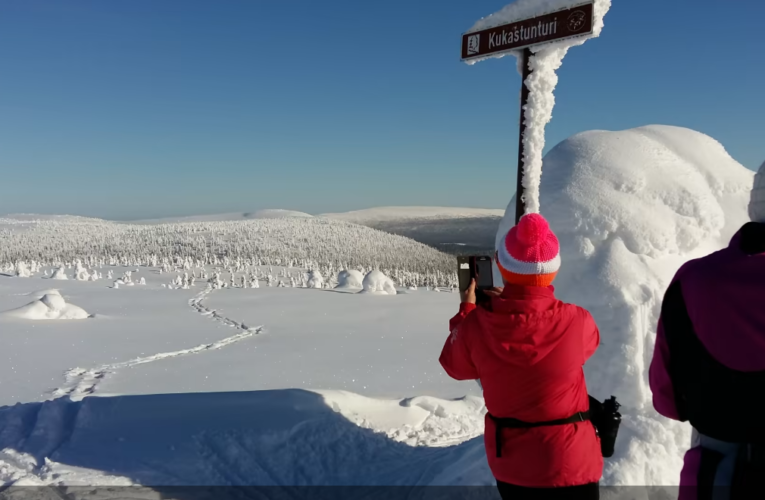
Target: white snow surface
50	306
629	208
544	63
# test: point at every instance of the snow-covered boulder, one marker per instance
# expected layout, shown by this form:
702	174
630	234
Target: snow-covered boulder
352	279
50	306
375	282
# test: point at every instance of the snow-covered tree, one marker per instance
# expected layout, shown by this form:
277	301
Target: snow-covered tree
60	274
22	271
315	279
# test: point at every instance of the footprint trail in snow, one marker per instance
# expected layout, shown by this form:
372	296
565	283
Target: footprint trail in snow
81	382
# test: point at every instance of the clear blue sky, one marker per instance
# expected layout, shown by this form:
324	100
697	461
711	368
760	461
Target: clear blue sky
141	108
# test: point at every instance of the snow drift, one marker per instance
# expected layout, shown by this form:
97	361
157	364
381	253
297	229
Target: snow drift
284	437
629	208
50	306
376	283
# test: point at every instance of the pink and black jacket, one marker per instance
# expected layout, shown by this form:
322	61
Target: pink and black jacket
709	361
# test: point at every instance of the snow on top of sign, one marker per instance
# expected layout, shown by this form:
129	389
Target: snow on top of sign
526	9
543	79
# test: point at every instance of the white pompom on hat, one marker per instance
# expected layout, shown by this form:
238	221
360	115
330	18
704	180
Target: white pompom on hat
757	202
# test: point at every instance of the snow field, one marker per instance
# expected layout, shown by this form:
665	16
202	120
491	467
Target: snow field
74	441
628	207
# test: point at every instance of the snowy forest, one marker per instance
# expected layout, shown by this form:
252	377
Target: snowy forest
322	244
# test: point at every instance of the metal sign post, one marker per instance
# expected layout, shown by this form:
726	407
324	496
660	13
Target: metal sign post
574	22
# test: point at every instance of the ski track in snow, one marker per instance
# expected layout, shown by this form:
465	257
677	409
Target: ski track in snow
81	382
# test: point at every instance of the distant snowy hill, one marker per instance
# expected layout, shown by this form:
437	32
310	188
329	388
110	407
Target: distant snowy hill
236	216
35	218
388	214
450	229
453	230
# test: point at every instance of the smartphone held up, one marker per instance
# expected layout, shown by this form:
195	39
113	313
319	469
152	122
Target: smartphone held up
478	268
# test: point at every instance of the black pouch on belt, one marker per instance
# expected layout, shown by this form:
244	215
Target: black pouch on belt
606	419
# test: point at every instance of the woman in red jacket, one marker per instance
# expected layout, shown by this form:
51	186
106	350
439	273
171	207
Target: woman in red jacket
527	349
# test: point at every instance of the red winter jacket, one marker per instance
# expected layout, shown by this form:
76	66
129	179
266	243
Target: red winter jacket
528	353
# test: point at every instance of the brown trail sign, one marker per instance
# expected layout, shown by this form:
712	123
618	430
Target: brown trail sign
565	24
570	23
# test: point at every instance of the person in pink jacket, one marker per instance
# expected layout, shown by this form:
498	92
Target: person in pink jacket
708	366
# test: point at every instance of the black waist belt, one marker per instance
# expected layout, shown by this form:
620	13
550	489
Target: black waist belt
514	423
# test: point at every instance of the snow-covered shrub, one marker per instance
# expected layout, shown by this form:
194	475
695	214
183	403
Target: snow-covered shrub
80	273
60	274
352	279
375	282
315	279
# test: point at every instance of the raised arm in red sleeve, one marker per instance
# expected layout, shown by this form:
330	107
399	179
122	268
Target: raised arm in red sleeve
455	356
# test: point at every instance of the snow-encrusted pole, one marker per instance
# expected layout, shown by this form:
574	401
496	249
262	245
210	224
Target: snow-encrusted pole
539	34
525	61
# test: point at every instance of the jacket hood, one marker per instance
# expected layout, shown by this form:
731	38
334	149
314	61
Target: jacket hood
525	324
750	239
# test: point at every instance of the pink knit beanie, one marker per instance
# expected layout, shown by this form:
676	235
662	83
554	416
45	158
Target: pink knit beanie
530	253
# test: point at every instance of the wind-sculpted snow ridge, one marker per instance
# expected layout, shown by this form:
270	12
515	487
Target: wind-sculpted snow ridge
239	439
313	242
82	382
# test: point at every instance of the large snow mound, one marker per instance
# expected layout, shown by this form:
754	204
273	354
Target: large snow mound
50	306
629	208
387	214
375	282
